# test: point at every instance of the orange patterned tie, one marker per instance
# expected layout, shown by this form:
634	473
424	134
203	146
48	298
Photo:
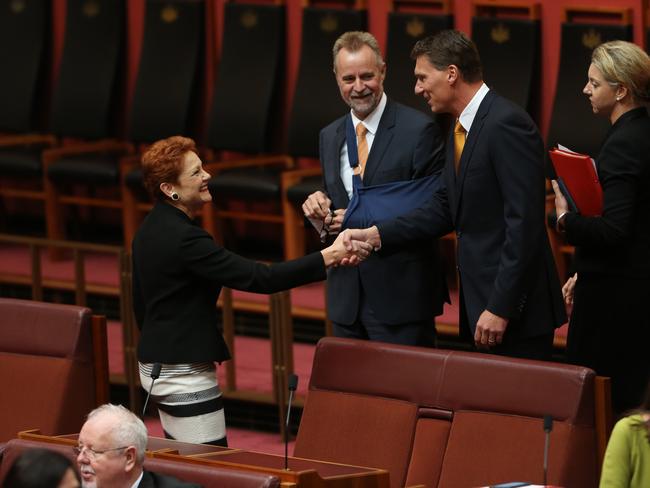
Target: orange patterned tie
362	147
459	143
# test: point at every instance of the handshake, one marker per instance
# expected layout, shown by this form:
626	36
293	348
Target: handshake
351	247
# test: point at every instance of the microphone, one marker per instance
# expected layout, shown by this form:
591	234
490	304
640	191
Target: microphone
155	373
548	427
293	384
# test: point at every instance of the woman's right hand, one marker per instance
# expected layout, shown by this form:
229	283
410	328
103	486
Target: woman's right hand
337	252
567	291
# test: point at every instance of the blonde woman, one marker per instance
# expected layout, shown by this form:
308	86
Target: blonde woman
610	322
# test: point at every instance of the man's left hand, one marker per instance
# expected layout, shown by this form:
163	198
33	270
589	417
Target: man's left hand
489	330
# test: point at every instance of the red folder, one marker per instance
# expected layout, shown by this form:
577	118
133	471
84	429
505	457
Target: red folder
578	173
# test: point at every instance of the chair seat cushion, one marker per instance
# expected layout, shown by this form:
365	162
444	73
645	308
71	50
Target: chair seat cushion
22	161
247	184
86	169
299	192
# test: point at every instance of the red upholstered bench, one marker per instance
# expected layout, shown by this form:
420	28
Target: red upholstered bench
446	418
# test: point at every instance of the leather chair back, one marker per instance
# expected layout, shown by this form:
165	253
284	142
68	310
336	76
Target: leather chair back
317	101
423	413
46	367
244	109
572	122
404	30
168	74
24	35
501	41
84	102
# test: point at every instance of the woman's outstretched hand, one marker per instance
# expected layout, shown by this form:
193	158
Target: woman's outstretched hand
346	252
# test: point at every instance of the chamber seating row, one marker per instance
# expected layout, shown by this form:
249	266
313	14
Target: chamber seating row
448	419
89	103
207	476
428	416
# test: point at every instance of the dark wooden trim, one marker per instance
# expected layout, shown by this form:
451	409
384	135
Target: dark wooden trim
100	358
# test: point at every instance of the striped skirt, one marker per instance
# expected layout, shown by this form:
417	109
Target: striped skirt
189	401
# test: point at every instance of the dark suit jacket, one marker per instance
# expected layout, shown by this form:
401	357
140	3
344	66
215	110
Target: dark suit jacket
618	242
406	285
496	206
178	272
155	480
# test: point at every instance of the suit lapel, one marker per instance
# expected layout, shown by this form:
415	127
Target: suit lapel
470	144
381	142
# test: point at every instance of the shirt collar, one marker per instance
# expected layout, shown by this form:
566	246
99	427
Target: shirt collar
372	120
469	112
137	482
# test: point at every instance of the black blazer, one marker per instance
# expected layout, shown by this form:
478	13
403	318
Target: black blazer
178	272
155	480
618	242
496	206
406	285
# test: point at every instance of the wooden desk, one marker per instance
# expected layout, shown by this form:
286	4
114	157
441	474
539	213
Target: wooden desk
302	473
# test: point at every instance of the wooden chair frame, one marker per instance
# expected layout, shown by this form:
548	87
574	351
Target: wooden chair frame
213	217
294	230
8	141
55	199
80	288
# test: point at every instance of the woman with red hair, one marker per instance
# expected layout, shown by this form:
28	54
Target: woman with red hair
178	272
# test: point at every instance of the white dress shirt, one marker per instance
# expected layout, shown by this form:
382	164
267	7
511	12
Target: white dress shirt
137	482
469	112
372	124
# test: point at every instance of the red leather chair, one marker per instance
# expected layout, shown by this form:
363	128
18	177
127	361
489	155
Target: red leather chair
53	366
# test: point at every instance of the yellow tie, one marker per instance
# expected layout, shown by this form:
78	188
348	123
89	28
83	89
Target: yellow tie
459	143
362	147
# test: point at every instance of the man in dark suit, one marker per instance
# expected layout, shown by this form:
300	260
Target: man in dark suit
493	198
389	297
111	450
155	480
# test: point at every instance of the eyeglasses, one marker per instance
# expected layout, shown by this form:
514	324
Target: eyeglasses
93	453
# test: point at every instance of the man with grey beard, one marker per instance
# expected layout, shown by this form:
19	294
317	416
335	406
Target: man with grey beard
389	297
110	452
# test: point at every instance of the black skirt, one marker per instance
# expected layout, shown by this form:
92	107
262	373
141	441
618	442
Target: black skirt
609	331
